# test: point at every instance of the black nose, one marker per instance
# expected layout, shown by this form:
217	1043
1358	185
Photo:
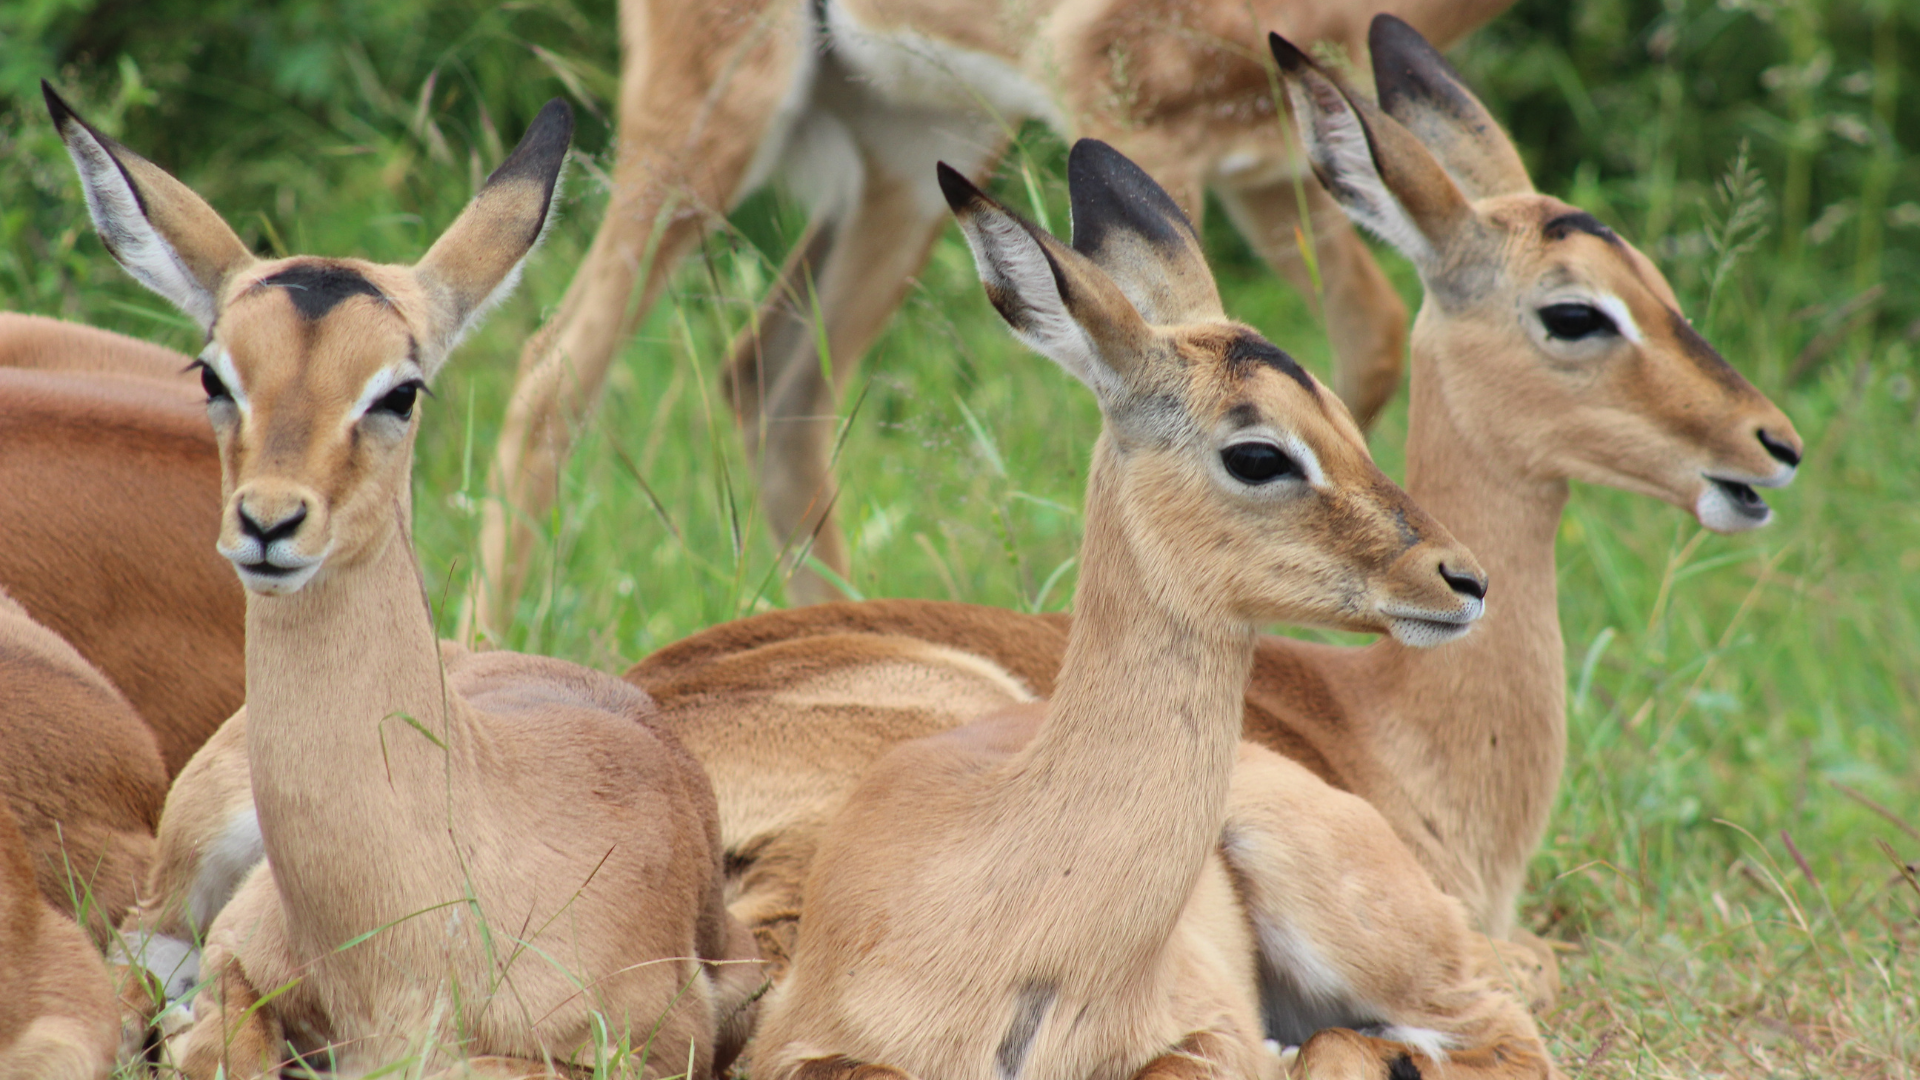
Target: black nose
1784	454
279	530
1465	584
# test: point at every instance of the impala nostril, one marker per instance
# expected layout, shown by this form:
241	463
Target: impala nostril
1465	584
1783	453
279	530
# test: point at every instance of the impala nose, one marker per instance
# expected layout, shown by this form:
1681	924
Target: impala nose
267	532
1783	452
1466	584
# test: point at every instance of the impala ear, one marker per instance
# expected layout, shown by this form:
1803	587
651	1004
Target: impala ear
167	237
1055	299
1131	228
476	263
1374	168
1421	90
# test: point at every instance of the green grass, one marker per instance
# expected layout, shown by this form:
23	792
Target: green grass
1744	777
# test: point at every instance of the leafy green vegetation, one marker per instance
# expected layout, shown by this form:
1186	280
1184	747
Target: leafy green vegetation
1743	785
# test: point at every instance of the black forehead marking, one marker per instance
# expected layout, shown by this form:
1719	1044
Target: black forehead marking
1243	415
1578	221
1705	356
316	288
1246	350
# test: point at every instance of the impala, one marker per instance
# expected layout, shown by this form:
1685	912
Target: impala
58	1020
1085	887
424	878
1548	349
79	772
851	102
1518	388
103	437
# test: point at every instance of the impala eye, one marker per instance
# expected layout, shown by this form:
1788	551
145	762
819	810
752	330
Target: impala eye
1257	462
399	400
216	390
1572	322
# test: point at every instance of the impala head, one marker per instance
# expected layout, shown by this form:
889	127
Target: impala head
312	366
1535	312
1242	486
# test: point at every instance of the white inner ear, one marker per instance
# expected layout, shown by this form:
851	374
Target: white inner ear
1337	143
129	236
1011	262
478	313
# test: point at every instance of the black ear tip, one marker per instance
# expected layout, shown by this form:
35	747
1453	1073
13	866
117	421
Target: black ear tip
556	111
1286	54
1093	152
959	191
57	106
1390	32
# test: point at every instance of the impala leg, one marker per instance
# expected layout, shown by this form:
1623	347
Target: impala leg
1351	931
1202	1055
858	268
739	979
1530	964
1366	319
842	1067
691	123
231	1035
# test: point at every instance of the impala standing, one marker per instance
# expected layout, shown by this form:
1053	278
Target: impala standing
851	102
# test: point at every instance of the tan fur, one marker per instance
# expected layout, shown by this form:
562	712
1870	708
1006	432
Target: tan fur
428	889
717	97
1041	893
57	1018
105	440
1458	748
78	771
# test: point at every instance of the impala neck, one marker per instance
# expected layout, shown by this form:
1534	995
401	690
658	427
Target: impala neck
341	779
1476	729
1125	783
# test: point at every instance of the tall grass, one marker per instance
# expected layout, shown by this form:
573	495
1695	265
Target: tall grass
1731	856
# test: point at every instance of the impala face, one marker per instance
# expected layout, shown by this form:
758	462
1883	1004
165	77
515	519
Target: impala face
312	379
1245	489
1536	313
1577	329
313	367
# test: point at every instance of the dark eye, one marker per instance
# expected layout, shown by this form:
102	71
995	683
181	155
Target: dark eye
1571	322
1257	462
216	390
399	400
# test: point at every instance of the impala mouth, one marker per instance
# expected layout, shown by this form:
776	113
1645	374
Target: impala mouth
277	578
269	570
1425	629
1727	505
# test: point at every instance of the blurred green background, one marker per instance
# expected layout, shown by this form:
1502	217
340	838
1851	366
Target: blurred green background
1744	780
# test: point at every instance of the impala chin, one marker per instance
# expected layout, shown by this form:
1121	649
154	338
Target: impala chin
1425	629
